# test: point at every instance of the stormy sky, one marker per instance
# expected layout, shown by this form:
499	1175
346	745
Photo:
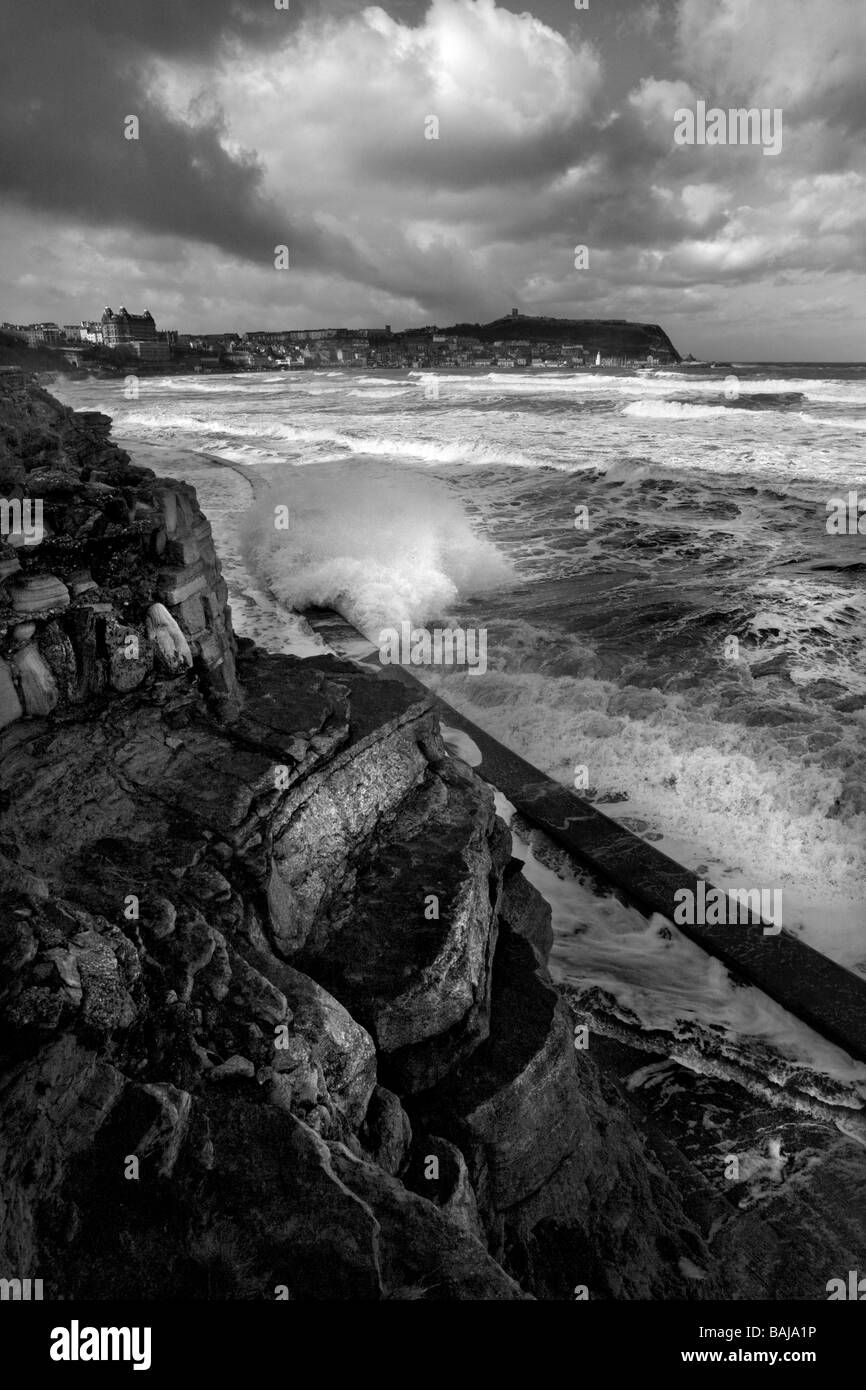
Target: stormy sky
305	126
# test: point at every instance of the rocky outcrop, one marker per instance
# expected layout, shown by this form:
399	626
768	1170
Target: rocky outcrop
275	1018
617	337
119	578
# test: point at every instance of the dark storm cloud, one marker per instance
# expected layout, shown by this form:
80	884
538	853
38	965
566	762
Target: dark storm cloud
70	74
262	126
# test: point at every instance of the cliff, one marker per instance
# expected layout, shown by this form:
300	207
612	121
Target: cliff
610	337
275	1017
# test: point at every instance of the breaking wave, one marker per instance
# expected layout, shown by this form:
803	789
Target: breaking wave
379	547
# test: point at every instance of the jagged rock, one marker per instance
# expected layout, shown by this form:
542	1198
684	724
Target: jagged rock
182	551
514	1107
35	1006
18	947
16	878
66	965
106	1004
335	1041
420	1248
59	653
410	947
387	1132
233	1068
178	585
216	976
438	1172
325	818
130	655
91	673
11	707
158	917
36	681
191	948
177	511
164	1137
54	1103
285	841
208	883
252	991
526	912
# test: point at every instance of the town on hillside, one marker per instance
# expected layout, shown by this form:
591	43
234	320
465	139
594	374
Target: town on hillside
121	341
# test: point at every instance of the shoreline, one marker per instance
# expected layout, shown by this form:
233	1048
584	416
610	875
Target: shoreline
811	986
787	972
290	830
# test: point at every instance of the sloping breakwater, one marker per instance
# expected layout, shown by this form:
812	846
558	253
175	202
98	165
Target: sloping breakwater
825	995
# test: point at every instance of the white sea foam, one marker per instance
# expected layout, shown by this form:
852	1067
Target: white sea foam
655	972
678	410
388	523
835	422
269	429
381	547
704	782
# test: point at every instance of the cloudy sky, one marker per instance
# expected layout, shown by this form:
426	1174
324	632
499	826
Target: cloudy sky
305	126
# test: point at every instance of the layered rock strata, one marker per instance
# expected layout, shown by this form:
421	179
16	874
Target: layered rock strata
275	1018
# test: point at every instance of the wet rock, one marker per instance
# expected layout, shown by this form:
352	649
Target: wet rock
526	912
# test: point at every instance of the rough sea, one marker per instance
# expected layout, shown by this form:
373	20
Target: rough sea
648	553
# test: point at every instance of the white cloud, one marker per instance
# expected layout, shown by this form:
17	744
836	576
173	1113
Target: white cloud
534	156
776	52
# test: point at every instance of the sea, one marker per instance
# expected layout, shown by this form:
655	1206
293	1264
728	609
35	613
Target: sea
667	568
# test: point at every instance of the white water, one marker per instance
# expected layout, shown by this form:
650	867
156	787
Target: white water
453	496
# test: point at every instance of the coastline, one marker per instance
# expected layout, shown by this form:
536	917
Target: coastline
823	994
267	936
